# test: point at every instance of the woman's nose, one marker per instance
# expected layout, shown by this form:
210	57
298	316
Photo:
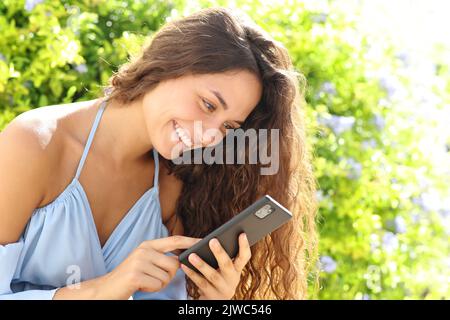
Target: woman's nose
207	137
212	136
211	131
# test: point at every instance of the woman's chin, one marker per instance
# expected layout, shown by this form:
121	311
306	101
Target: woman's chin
175	150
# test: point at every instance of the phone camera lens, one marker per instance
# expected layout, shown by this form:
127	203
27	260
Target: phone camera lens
264	211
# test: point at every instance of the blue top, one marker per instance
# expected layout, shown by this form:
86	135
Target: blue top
60	244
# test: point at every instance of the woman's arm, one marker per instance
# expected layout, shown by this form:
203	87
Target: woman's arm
24	172
23	177
26	161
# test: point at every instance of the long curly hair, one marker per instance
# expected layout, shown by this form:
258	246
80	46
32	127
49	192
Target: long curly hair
218	40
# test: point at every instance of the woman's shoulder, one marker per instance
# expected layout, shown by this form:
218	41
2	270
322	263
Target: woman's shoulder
28	152
42	136
42	130
32	149
48	127
29	134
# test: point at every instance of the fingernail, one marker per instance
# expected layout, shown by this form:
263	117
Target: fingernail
214	243
194	257
244	236
184	268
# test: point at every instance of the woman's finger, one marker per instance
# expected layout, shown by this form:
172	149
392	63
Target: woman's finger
150	284
166	262
171	243
211	274
244	254
161	260
225	263
199	281
155	272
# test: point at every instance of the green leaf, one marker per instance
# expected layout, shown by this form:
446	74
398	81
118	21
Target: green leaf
70	93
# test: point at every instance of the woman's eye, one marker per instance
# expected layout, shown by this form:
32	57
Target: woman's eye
209	106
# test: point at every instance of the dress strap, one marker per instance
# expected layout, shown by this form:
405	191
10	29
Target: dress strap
156	159
91	137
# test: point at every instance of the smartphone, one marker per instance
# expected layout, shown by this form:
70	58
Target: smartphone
259	219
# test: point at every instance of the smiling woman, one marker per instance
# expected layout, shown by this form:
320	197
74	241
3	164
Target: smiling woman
176	104
218	67
215	69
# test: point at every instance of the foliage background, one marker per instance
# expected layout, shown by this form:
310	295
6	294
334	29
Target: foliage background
377	115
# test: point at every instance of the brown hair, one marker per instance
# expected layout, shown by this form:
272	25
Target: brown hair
217	40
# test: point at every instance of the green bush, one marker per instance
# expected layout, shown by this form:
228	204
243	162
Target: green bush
62	51
383	229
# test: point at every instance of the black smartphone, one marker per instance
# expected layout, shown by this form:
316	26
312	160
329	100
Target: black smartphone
259	219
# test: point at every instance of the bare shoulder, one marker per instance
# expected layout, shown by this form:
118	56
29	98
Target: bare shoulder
27	139
42	133
25	162
36	135
31	149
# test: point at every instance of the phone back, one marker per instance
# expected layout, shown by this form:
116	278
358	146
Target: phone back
257	220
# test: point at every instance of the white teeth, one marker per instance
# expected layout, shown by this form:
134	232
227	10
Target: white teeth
183	136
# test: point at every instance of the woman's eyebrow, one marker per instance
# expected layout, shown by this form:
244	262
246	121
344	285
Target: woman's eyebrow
221	99
224	104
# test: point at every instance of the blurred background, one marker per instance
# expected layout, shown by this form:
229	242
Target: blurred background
378	115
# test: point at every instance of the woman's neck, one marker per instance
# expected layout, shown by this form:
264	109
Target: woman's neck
123	134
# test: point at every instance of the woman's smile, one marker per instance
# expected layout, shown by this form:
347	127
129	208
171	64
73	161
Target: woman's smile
183	135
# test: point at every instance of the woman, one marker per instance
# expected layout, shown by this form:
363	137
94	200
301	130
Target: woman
94	224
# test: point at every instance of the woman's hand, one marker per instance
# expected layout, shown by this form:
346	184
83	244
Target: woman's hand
219	284
147	268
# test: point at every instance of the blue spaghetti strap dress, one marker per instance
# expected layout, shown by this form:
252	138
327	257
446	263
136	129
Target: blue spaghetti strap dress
60	244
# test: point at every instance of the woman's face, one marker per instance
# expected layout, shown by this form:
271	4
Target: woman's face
195	110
